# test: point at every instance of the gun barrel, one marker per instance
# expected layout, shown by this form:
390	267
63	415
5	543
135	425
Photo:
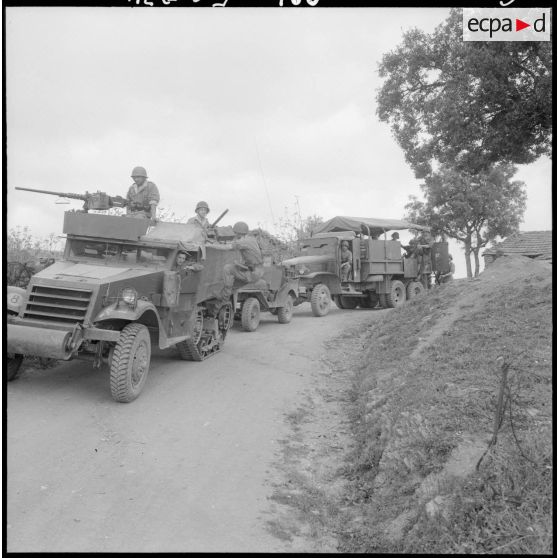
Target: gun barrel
61	194
220	217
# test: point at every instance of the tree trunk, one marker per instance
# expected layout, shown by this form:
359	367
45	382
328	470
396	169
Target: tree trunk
477	262
468	256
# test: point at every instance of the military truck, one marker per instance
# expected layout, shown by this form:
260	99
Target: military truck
380	272
115	292
274	293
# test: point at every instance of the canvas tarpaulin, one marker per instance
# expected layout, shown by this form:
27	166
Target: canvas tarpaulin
365	224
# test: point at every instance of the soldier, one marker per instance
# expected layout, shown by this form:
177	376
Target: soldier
395	236
186	264
200	219
447	277
419	248
346	261
142	197
250	269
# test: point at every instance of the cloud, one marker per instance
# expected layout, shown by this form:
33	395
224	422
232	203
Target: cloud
253	110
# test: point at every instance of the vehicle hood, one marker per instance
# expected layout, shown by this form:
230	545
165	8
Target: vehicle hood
308	260
92	273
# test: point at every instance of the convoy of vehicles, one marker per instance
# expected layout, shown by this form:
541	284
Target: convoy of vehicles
117	290
379	272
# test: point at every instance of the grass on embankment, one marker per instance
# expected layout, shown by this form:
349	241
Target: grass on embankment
449	457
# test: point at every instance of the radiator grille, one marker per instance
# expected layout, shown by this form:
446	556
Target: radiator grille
57	304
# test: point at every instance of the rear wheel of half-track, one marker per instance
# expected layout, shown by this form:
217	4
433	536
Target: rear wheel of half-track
129	365
250	317
285	313
14	364
320	300
414	289
396	296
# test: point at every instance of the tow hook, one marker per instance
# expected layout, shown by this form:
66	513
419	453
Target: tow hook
76	338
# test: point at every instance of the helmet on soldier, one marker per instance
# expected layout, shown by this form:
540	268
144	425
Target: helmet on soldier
202	204
241	228
345	243
139	171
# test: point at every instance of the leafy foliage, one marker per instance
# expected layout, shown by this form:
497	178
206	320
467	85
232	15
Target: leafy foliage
473	104
472	208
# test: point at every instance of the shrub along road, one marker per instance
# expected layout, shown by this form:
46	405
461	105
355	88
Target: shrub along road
191	465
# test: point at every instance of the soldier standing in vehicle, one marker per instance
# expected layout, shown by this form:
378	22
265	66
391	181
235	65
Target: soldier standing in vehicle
250	269
346	261
142	197
200	219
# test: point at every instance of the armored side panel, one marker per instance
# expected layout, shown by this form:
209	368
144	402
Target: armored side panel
104	226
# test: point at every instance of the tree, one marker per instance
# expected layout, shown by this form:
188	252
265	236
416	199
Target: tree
471	208
472	104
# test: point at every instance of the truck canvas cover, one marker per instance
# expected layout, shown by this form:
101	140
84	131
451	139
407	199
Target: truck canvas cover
365	224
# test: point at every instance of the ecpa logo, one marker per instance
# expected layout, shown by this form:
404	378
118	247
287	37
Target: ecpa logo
506	24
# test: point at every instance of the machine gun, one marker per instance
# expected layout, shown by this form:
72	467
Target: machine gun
96	200
212	231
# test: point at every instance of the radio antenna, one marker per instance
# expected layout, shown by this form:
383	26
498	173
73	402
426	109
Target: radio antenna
264	181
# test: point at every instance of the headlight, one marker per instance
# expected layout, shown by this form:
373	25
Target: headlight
129	296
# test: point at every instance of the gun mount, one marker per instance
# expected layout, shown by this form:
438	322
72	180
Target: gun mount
96	200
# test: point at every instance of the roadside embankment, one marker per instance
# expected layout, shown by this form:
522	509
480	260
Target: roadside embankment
452	421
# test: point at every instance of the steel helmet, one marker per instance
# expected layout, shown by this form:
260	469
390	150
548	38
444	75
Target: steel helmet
139	171
345	243
241	228
202	204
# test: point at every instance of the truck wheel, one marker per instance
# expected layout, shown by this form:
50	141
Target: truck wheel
250	314
285	313
130	363
369	301
320	300
414	289
14	364
396	296
348	302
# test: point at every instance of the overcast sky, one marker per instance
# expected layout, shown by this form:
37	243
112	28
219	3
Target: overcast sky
247	109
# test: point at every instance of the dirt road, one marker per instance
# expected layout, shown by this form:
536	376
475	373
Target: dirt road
189	466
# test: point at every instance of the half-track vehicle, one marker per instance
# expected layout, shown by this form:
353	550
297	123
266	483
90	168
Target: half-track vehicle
380	272
116	291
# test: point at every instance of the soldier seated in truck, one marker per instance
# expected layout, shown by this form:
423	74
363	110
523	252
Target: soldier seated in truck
346	261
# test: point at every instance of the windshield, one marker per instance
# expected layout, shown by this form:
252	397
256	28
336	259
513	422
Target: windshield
118	253
318	246
183	232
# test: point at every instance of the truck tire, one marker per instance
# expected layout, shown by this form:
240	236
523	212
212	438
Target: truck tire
396	296
320	300
285	313
14	364
348	302
414	289
369	301
129	365
250	314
